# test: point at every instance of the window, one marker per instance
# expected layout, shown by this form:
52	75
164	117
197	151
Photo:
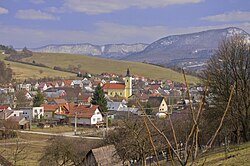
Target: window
162	104
41	110
127	80
14	114
93	119
35	111
110	93
120	93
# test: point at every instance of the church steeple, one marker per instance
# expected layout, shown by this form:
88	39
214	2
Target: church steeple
128	73
128	84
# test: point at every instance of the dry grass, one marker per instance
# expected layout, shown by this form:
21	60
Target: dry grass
32	152
56	129
24	71
236	156
99	65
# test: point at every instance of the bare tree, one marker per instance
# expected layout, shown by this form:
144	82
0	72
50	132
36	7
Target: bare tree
64	151
19	152
231	65
134	139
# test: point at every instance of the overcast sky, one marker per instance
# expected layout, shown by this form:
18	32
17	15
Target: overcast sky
35	23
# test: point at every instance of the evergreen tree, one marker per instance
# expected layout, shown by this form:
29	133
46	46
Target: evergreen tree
99	98
38	99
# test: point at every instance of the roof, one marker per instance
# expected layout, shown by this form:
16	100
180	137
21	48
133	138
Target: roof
60	101
83	111
114	106
114	86
67	82
18	119
154	87
5	114
155	101
3	107
50	107
106	156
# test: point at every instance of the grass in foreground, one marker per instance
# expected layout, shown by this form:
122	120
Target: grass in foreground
99	65
236	156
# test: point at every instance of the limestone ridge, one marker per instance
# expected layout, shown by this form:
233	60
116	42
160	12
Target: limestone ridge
114	51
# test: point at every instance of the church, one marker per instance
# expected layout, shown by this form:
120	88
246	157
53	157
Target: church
120	89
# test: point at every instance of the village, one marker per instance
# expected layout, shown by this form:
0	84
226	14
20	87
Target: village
69	101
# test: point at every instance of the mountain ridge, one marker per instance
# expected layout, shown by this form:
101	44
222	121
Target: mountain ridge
113	51
199	46
184	50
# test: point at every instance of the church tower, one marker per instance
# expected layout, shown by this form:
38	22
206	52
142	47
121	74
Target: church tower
128	84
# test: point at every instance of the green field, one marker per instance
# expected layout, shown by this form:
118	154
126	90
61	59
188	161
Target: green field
24	71
99	65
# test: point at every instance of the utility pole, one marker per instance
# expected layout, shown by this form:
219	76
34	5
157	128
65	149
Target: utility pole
107	123
75	123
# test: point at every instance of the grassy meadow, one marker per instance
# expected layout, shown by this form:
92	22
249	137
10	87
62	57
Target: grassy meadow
24	71
99	65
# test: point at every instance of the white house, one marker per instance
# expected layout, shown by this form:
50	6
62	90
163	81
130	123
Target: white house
116	106
33	112
158	104
26	87
85	115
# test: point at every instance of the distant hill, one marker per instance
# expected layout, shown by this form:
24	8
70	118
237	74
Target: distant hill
114	51
96	65
185	50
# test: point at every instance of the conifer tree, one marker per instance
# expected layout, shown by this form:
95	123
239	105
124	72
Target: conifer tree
38	99
99	98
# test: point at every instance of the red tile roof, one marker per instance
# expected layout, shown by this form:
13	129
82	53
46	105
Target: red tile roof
114	86
67	82
3	107
50	107
83	111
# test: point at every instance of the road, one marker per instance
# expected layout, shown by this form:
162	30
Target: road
67	134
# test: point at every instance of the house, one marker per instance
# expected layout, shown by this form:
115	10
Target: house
49	110
33	112
86	83
59	101
77	83
103	156
116	106
54	93
6	114
56	111
119	89
20	122
24	86
4	107
158	104
68	83
85	115
42	87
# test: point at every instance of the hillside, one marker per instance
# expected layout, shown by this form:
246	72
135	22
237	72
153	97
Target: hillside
99	65
23	71
237	155
187	49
